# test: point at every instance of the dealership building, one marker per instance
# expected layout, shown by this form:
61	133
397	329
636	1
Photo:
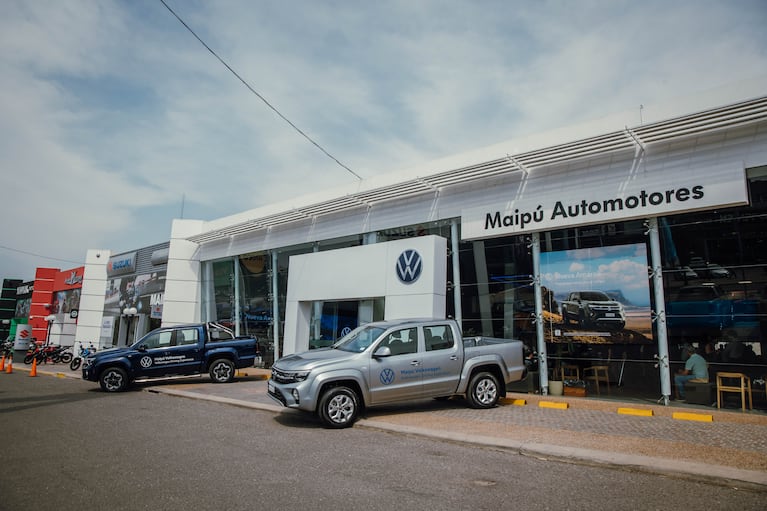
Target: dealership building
604	254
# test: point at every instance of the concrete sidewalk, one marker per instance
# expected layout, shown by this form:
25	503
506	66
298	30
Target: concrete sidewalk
699	443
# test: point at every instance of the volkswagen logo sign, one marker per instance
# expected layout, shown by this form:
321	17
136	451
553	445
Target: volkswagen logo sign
146	362
386	376
409	266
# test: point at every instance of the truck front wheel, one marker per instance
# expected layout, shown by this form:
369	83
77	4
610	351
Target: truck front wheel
222	371
338	407
483	391
113	379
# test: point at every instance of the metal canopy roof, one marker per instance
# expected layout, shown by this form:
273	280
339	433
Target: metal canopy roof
709	121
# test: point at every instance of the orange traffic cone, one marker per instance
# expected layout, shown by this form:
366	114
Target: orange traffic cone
9	369
2	364
33	372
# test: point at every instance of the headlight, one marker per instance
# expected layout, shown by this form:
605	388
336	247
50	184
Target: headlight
299	375
289	376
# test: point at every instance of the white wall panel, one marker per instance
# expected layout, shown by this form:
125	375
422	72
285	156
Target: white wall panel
92	296
367	271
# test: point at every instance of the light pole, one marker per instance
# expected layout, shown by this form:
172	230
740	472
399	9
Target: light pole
50	318
129	313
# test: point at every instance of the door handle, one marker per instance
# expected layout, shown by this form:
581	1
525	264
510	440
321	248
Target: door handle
415	363
453	357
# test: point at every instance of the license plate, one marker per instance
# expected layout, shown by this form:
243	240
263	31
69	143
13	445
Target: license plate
610	314
270	386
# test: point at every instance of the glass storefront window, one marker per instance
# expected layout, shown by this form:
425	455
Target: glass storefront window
497	295
255	300
715	283
218	302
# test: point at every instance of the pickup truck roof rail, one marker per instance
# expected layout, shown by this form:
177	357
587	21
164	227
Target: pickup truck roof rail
220	326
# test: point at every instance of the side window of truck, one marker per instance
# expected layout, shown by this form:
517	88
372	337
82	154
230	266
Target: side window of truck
186	336
402	342
159	339
438	337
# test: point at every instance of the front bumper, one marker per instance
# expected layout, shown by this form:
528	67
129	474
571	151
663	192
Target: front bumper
89	373
290	395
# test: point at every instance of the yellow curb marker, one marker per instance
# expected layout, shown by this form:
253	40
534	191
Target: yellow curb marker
552	404
635	411
700	417
515	402
61	375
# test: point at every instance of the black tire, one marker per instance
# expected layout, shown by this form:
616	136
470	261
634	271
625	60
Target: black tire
339	407
74	365
29	358
221	371
113	379
66	357
484	391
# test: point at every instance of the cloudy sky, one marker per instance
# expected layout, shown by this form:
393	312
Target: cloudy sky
114	119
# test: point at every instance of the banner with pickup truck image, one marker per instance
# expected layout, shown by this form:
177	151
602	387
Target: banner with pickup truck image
602	295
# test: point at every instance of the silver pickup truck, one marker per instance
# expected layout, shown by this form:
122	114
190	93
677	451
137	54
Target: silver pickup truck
393	361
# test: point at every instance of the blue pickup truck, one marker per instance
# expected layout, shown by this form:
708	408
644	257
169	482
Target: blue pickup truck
180	350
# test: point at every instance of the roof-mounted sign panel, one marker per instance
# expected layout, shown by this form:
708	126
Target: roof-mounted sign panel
584	198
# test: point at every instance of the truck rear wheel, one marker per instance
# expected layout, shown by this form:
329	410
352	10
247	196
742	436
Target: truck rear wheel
113	379
338	407
483	391
222	371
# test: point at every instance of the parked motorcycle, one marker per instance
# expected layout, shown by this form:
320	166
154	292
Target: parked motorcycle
74	365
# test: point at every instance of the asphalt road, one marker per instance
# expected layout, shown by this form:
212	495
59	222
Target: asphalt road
69	446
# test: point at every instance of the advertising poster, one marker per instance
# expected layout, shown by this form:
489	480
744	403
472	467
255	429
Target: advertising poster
601	295
144	292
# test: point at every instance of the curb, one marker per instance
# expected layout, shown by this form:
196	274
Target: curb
639	409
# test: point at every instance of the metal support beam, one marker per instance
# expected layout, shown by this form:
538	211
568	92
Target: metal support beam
543	369
455	247
660	310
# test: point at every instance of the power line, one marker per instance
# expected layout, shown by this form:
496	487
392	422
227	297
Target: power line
38	255
307	137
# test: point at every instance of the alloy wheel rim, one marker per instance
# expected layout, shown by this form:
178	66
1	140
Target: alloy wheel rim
222	371
486	391
113	380
340	409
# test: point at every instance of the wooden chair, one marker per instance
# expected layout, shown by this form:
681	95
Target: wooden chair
743	387
570	372
599	373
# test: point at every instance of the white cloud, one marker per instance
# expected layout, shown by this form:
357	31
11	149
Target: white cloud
111	111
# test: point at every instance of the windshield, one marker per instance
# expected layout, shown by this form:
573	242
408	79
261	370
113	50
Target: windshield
595	296
359	339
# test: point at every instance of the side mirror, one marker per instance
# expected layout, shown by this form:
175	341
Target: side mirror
383	351
142	348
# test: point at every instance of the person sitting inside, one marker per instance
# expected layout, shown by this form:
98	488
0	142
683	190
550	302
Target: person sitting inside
695	370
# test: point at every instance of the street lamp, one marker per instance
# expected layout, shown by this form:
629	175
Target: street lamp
50	318
129	313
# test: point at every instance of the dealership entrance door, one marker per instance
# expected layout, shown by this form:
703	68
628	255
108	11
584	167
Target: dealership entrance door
331	320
